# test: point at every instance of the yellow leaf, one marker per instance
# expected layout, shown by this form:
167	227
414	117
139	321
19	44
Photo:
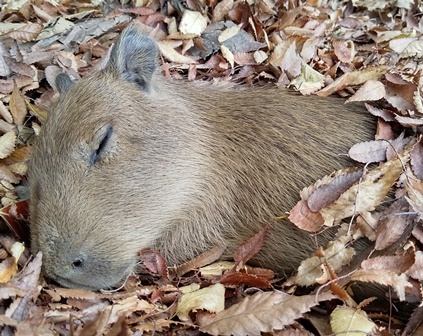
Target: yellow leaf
351	322
211	298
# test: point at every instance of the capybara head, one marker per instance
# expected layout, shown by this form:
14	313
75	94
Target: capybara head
104	167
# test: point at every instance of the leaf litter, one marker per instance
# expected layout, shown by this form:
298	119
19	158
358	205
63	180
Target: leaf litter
367	51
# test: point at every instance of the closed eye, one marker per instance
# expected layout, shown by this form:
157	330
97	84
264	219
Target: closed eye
101	149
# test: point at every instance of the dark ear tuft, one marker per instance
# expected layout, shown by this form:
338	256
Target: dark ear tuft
134	57
63	82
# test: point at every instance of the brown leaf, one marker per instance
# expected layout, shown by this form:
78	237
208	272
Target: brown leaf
154	262
237	279
384	130
395	264
27	33
417	159
344	50
16	216
304	218
354	78
262	312
328	193
367	194
17	106
250	247
392	224
385	114
203	259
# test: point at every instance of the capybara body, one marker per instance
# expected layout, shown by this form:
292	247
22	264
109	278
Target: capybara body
127	160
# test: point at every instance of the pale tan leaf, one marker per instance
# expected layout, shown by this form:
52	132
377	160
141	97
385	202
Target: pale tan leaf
216	269
228	55
4	112
172	55
310	270
7	144
369	151
221	9
27	33
262	312
416	271
228	33
351	322
367	194
397	264
387	278
309	80
344	50
354	78
192	23
17	106
371	90
9	266
260	56
211	298
6	174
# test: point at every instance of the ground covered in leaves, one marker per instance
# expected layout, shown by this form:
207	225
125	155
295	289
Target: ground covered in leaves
366	51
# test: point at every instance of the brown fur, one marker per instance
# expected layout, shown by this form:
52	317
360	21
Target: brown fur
186	167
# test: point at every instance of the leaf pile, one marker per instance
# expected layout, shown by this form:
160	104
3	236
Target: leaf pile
367	51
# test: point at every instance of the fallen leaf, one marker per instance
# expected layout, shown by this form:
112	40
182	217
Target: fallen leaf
351	322
262	312
211	298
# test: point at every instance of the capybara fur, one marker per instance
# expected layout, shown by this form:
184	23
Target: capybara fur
128	160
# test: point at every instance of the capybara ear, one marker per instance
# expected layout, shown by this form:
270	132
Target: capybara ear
63	82
134	57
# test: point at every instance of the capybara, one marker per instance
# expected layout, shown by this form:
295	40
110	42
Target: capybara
128	160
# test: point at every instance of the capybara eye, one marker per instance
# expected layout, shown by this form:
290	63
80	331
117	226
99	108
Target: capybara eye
98	154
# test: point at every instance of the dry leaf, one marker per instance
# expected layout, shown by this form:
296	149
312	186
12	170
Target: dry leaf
351	322
354	78
328	193
344	50
172	55
366	195
203	259
304	218
369	151
387	278
7	144
211	298
27	33
192	23
371	90
336	254
393	224
262	312
17	106
253	245
221	9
